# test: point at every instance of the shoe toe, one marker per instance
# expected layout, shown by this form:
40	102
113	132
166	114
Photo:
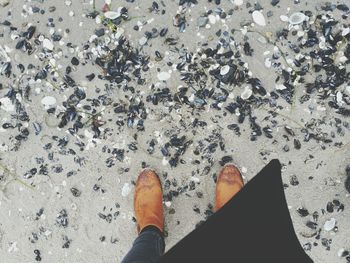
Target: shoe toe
147	176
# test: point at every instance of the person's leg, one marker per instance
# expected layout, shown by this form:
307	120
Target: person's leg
148	247
148	206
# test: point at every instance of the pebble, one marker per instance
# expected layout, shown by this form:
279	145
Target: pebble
259	18
202	21
274	2
48	101
163	76
75	61
284	18
126	189
100	32
48	44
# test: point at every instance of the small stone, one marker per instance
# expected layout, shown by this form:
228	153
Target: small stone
329	224
126	189
274	2
48	44
75	61
48	101
100	32
259	18
284	18
163	76
202	21
269	13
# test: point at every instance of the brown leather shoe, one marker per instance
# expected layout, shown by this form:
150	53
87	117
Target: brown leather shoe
229	183
148	199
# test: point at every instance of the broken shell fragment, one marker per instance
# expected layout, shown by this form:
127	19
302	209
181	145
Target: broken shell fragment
246	93
163	76
48	44
112	15
48	101
329	224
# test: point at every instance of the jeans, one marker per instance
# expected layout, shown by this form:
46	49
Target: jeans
148	247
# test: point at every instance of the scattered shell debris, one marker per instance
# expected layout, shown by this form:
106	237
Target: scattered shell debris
93	92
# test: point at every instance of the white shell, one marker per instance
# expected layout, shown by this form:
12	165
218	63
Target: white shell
259	18
297	18
280	87
268	62
48	101
246	93
329	225
163	75
339	97
112	14
224	70
47	44
284	18
345	31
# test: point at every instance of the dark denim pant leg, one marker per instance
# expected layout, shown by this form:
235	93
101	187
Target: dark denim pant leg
148	247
